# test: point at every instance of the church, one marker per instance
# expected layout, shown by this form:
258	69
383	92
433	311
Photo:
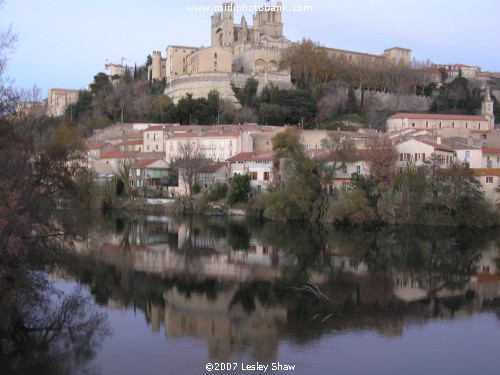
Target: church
430	121
237	52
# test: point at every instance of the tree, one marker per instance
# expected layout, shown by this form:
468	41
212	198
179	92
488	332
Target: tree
300	187
187	163
309	63
246	95
101	84
381	158
297	106
339	149
8	95
270	114
239	189
35	227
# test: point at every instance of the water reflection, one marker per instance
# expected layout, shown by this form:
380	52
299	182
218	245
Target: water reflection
244	286
61	336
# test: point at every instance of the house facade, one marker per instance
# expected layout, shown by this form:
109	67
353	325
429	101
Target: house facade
214	145
259	166
211	174
415	152
490	182
148	173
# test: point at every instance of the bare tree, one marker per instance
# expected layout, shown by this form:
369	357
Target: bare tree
8	95
124	165
381	158
187	163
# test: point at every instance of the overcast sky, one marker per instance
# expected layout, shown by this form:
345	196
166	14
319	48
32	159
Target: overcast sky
64	43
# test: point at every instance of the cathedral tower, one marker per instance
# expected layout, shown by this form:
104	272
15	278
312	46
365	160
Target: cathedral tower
487	108
223	27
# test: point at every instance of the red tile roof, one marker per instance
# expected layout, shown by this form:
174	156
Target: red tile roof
487	171
143	163
212	168
491	151
433	116
436	145
131	142
118	154
252	156
95	146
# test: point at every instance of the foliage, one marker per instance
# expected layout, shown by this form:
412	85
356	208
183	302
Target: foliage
457	96
187	163
246	95
300	187
381	158
239	189
270	114
34	227
297	106
216	193
352	207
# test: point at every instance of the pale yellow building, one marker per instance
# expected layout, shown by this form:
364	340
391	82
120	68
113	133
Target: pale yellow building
59	99
211	59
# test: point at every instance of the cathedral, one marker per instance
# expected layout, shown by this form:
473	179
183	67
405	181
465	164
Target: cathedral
237	52
241	51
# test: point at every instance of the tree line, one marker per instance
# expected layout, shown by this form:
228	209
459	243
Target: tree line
423	195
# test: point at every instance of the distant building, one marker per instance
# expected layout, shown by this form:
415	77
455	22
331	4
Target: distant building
430	121
59	99
116	70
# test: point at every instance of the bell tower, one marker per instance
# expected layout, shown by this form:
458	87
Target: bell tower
223	27
487	108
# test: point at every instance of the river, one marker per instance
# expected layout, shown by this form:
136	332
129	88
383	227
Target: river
236	296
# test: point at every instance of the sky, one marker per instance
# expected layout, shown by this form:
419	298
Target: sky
65	43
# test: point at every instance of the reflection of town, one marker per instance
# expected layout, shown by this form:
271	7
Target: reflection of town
239	290
166	247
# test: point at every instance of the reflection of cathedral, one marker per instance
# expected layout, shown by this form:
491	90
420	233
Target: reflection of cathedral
224	326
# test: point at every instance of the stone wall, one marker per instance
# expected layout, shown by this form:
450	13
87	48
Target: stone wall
201	84
397	103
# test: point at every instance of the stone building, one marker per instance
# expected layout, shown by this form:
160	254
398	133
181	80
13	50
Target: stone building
395	55
240	51
237	52
431	121
59	99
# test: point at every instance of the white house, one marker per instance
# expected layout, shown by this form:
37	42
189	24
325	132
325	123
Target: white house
417	152
490	158
260	166
215	145
490	181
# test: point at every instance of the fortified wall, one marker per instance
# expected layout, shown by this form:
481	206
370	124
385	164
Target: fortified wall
202	83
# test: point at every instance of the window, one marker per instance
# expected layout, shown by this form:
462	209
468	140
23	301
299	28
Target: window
215	55
427	124
344	168
147	136
147	147
156	147
155	137
489	179
358	169
412	124
467	154
253	176
266	176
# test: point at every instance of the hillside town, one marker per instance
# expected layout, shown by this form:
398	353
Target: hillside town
240	53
